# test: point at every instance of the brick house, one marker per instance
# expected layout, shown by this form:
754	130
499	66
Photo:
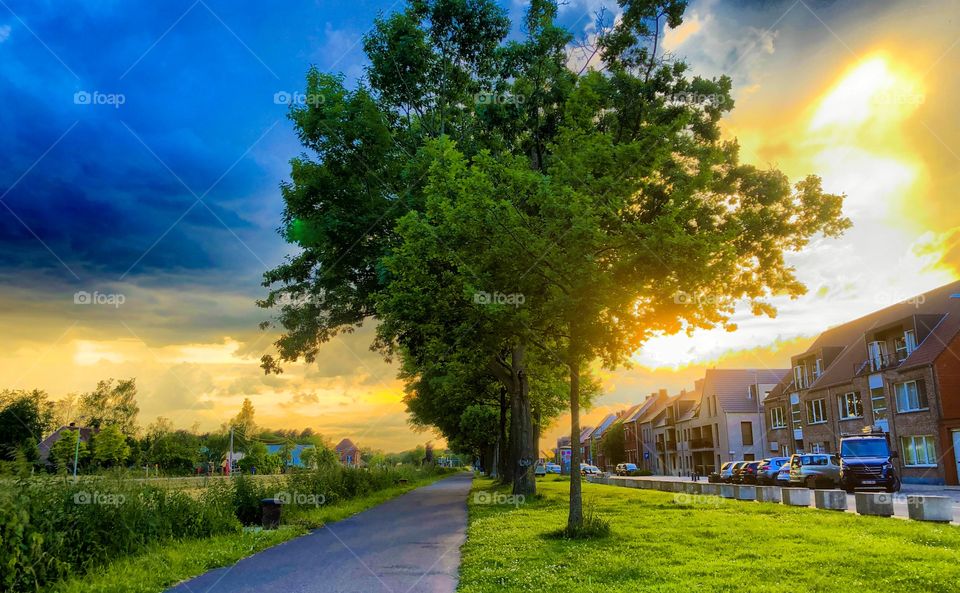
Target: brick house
665	425
727	423
348	453
585	445
595	450
897	369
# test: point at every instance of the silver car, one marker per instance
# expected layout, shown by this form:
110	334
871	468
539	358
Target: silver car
815	470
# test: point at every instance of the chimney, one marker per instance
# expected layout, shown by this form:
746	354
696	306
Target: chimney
663	393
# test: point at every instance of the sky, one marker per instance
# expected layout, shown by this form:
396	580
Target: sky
143	145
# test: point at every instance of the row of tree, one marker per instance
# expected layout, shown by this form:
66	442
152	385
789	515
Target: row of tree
513	207
115	440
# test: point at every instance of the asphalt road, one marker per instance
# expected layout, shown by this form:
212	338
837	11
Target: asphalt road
410	544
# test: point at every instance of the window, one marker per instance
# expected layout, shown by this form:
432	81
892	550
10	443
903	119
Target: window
748	457
918	451
818	368
776	418
906	344
878	354
851	406
746	433
878	401
795	413
800	376
911	396
816	411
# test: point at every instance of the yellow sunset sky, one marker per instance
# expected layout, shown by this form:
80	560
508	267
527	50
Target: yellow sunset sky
864	94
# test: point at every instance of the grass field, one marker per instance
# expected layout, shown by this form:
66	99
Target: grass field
699	544
167	564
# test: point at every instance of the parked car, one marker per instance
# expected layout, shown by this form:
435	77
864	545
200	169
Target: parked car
714	476
728	469
747	474
626	469
553	468
783	476
768	469
866	461
815	470
589	470
540	470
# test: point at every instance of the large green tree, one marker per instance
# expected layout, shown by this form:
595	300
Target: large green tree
113	403
25	417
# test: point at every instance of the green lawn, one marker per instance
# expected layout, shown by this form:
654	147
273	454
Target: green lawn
167	564
711	544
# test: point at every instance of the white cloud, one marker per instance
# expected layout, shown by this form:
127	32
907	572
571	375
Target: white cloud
4	33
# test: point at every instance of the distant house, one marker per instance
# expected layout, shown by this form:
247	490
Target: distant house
348	453
295	453
585	444
594	452
86	433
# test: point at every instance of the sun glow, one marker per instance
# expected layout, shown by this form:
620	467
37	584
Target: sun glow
854	135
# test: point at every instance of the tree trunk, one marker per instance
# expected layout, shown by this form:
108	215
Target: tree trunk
575	519
521	422
502	465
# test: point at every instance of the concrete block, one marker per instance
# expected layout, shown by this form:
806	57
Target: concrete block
633	483
728	490
746	493
832	500
874	503
796	497
710	489
768	494
646	484
930	508
692	487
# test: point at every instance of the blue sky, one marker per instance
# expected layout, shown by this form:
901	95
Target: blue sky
143	148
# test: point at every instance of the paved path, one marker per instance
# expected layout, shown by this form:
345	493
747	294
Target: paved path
410	544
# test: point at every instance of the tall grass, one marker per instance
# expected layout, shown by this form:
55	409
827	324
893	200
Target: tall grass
51	529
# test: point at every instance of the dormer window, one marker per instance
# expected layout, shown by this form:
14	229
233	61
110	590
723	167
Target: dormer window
906	345
818	368
877	351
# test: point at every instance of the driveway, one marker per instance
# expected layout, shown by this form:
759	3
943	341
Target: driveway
410	544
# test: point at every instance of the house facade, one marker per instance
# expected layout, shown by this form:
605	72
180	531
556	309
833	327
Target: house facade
727	423
896	369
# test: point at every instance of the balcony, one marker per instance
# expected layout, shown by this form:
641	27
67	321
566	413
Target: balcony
703	443
879	363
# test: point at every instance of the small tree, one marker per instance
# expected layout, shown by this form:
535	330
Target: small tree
612	444
63	451
110	447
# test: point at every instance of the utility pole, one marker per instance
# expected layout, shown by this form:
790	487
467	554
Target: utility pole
76	455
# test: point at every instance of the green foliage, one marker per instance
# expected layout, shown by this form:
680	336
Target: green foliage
52	528
64	450
612	444
25	417
110	447
111	403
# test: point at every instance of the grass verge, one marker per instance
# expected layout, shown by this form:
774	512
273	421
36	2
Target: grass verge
661	544
165	565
